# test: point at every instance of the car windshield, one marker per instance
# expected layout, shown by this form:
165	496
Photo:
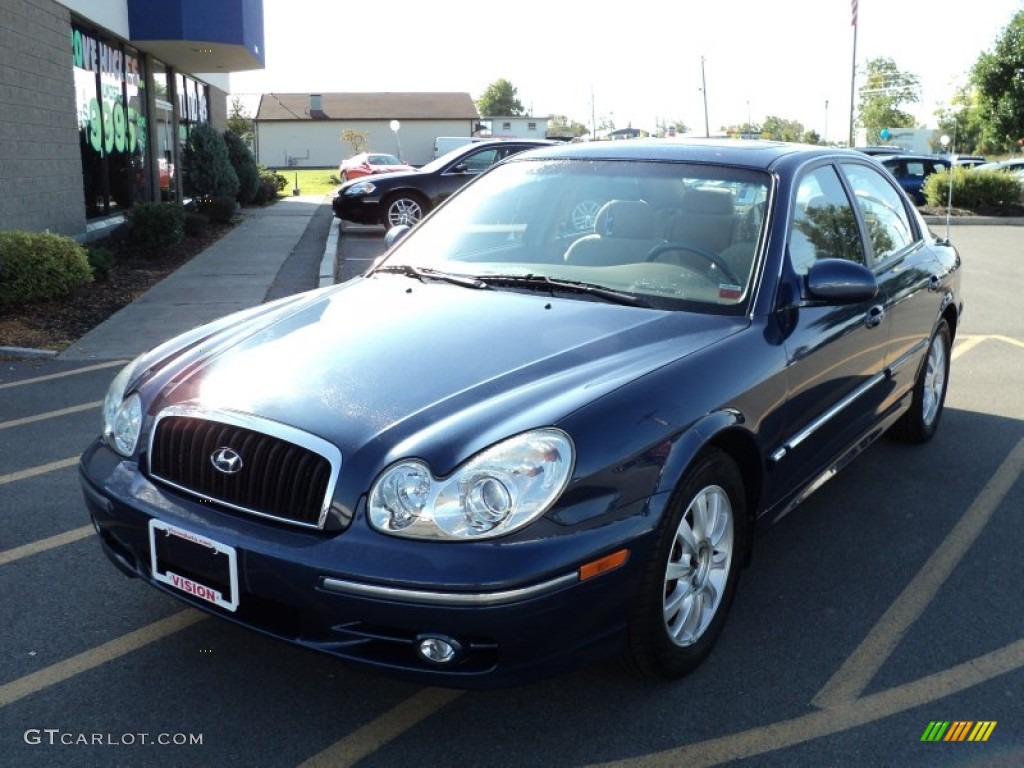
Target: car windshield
384	160
670	235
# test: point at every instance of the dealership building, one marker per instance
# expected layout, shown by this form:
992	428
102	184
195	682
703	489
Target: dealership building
97	98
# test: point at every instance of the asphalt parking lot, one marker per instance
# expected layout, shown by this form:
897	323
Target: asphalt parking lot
892	600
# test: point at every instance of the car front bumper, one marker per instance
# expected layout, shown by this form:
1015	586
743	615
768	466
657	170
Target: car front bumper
292	585
361	210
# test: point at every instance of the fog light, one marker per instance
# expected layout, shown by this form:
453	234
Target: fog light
438	649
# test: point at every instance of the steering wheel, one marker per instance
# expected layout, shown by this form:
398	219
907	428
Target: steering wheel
676	245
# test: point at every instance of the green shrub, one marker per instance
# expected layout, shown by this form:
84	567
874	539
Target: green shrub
206	165
276	179
973	189
195	224
36	266
245	167
265	193
218	209
156	225
101	260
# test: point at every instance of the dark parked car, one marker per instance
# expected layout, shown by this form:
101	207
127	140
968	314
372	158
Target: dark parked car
912	170
513	445
405	198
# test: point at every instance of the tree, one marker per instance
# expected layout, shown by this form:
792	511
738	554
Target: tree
884	91
780	129
240	123
963	122
500	99
245	167
999	77
560	126
207	171
358	140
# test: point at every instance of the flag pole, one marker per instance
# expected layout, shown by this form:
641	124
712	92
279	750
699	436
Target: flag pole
853	68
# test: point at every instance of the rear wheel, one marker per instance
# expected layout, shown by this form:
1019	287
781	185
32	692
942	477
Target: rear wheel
919	424
689	584
403	209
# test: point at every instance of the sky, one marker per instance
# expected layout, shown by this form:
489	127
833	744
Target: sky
633	63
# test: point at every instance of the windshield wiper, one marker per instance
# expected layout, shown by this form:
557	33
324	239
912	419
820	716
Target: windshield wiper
425	273
545	283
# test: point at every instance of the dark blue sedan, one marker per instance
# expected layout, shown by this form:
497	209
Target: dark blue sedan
519	443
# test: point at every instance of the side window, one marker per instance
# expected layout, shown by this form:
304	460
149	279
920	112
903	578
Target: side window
823	224
478	162
889	226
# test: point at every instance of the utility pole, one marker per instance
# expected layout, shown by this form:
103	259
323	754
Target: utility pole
704	90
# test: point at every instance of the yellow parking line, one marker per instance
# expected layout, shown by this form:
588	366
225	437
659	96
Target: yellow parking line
50	415
383	729
851	714
83	662
966	344
861	666
62	374
42	469
35	547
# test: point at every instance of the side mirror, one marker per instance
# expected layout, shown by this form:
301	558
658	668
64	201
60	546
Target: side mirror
395	234
839	280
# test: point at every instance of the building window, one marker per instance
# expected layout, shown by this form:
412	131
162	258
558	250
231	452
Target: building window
531	126
110	100
506	126
163	133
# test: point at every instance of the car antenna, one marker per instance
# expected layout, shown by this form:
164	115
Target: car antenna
946	142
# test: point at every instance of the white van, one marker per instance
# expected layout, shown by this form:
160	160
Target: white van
445	144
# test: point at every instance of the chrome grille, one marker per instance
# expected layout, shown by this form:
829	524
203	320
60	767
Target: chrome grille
284	473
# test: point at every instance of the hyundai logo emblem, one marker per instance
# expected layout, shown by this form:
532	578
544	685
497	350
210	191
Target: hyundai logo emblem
226	460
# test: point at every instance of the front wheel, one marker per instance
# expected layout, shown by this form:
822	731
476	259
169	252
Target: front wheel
689	584
403	209
918	425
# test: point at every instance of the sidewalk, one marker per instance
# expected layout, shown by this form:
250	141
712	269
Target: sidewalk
277	250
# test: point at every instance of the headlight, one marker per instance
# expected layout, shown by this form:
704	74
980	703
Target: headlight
122	417
496	492
360	188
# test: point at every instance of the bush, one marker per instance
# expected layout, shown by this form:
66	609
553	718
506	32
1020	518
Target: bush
218	209
195	224
36	266
973	189
277	180
207	170
245	167
156	225
101	260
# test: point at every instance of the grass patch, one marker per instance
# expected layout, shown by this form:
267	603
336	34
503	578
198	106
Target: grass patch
311	181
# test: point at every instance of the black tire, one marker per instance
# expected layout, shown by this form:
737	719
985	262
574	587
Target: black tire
663	644
403	209
344	177
920	422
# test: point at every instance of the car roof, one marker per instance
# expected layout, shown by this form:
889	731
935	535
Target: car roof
913	156
750	153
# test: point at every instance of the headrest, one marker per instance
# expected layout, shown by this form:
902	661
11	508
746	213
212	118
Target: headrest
625	218
715	201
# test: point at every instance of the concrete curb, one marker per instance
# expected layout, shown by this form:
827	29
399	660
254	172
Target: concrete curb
329	262
1004	221
27	353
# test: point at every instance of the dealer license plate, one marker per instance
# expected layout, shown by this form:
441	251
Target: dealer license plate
194	564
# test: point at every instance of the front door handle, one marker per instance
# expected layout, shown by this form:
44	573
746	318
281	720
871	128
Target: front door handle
875	316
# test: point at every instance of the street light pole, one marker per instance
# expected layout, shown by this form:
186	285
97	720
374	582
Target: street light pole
704	90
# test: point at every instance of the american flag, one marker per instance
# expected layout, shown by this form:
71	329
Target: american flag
853	10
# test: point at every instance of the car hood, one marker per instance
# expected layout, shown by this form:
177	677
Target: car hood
397	367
